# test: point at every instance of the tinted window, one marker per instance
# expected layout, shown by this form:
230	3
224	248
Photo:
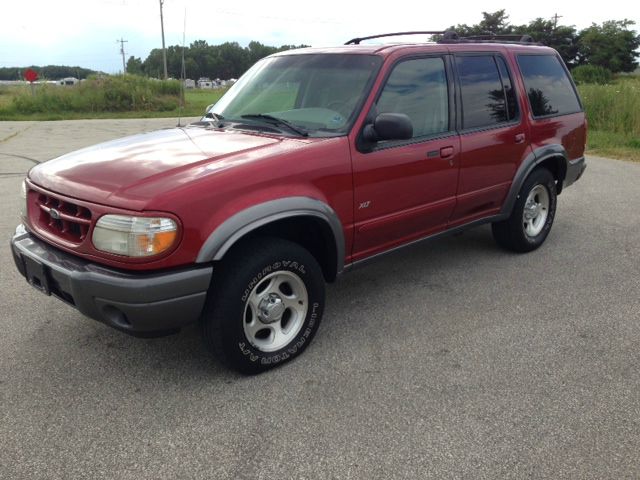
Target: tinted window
548	86
418	88
509	92
483	100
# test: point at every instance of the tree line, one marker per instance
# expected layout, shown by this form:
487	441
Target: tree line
51	72
225	61
612	45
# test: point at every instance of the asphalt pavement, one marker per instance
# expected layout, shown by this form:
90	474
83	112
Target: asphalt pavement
452	359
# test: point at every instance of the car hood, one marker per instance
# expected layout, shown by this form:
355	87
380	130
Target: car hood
113	172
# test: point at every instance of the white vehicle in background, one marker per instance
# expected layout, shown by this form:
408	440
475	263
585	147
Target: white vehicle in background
68	81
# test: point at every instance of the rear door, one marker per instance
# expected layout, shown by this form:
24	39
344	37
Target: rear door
493	134
406	189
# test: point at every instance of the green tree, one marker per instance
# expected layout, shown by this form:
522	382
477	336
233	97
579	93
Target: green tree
612	45
233	60
174	61
191	68
495	23
228	60
152	65
562	37
134	66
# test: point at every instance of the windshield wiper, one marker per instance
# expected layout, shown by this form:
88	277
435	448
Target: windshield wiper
277	121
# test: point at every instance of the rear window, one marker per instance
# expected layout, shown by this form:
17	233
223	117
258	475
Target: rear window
548	86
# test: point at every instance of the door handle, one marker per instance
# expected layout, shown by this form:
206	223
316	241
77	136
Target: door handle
520	138
446	152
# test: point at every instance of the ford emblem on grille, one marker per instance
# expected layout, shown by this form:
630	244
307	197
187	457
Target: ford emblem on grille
55	214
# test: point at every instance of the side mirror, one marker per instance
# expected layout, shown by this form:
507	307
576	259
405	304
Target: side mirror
206	110
389	126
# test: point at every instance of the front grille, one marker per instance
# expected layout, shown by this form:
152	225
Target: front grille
62	218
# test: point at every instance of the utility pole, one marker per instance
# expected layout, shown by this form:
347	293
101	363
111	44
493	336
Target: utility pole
555	20
122	42
164	50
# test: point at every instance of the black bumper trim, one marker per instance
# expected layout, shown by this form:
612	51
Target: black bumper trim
575	169
134	302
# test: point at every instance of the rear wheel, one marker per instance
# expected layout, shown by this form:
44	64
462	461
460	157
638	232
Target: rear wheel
265	305
532	216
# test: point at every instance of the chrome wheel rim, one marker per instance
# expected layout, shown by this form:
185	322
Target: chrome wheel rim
275	311
536	210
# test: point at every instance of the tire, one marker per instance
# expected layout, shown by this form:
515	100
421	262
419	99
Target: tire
264	305
532	216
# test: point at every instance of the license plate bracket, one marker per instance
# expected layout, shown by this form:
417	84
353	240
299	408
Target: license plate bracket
36	274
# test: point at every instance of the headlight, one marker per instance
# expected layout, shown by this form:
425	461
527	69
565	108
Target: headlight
134	236
23	196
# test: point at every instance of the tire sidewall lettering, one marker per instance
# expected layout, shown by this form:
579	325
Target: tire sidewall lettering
313	314
289	265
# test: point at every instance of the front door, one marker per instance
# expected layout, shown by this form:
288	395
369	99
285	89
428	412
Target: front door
404	190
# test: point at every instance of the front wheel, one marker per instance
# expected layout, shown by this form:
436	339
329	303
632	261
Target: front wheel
532	216
265	305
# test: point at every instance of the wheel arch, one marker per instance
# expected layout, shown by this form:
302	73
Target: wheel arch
307	221
553	157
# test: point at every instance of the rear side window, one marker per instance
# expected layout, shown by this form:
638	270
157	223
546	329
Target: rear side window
548	86
483	96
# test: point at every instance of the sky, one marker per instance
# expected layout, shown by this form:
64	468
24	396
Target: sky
85	32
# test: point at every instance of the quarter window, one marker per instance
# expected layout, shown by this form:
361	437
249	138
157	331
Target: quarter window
418	88
483	97
548	86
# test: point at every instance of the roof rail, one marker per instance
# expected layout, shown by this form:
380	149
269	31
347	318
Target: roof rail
446	34
492	38
510	37
450	36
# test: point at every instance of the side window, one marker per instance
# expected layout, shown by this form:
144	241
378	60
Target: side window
418	88
548	86
509	92
483	98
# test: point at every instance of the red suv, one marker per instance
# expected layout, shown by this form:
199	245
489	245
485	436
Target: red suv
314	161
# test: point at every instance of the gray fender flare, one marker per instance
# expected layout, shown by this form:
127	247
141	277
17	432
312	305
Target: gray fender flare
237	226
532	160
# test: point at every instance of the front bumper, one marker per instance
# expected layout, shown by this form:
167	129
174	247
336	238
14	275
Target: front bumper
143	304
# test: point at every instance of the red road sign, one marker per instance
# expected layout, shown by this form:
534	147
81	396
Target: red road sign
30	75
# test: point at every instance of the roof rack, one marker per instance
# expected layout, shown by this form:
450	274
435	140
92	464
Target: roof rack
492	38
450	36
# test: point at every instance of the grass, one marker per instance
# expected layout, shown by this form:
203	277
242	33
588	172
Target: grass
132	97
613	145
613	112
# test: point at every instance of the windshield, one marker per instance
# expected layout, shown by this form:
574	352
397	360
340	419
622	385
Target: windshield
317	93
